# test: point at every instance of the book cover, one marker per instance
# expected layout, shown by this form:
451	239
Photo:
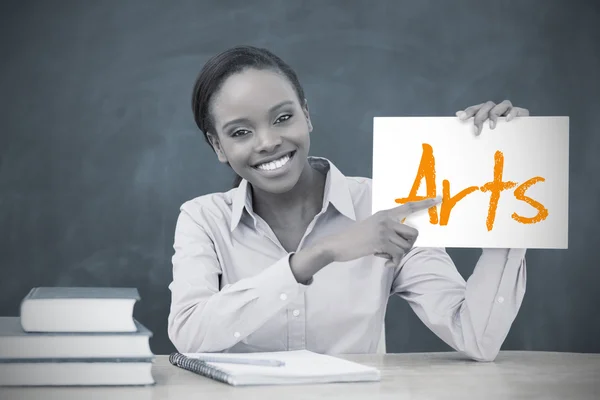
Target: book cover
58	292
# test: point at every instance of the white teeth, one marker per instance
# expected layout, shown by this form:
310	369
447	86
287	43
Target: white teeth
274	164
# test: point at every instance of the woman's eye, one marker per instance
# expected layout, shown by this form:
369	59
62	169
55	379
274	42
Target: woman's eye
239	132
283	118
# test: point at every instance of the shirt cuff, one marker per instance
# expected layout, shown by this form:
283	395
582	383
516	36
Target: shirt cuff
289	267
516	253
509	254
276	282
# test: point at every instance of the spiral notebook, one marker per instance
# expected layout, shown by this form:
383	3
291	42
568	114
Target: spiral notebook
301	367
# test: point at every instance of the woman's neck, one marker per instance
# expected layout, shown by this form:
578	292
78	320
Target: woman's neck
293	207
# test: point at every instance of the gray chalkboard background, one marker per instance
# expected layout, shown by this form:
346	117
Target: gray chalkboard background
98	147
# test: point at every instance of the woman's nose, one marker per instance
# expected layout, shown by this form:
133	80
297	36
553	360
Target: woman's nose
267	141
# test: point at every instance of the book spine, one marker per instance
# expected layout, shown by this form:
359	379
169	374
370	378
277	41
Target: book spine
199	367
31	294
79	360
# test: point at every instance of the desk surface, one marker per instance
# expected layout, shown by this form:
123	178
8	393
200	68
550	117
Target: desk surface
513	375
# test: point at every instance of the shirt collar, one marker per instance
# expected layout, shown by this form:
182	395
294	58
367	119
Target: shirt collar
336	192
241	198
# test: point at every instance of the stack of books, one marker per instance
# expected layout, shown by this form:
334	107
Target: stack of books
75	336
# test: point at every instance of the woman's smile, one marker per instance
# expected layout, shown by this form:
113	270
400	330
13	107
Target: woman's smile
277	166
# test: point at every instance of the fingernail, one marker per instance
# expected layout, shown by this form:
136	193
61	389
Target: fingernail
461	115
492	124
476	129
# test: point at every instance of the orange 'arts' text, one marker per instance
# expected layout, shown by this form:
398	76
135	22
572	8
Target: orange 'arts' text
495	187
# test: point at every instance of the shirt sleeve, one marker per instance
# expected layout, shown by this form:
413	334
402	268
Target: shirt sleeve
473	317
203	318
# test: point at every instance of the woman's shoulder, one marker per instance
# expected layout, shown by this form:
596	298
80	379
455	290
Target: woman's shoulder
360	189
359	183
216	204
359	180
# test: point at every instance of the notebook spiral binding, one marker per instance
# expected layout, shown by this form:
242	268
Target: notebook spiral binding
199	367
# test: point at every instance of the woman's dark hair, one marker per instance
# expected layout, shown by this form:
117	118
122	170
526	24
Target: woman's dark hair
220	67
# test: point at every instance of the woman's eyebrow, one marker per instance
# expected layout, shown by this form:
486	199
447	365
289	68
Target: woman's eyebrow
283	103
234	121
275	107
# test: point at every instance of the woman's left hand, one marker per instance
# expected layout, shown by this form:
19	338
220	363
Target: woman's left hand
490	110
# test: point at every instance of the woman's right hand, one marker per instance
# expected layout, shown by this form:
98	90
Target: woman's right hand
383	234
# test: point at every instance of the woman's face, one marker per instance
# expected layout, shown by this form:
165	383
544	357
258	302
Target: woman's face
262	129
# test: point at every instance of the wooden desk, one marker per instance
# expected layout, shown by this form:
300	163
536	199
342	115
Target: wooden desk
514	375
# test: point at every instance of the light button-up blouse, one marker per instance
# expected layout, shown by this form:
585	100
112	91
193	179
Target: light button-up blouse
233	289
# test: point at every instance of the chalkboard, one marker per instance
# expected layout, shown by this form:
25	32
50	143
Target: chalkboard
98	147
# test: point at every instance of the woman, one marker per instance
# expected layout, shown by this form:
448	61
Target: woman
291	258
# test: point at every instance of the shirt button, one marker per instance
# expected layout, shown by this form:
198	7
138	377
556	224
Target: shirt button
236	334
283	296
500	299
296	313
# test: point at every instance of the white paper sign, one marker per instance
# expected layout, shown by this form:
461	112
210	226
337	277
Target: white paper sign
525	206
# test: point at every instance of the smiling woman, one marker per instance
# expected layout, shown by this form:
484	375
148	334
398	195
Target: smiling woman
267	68
291	257
263	124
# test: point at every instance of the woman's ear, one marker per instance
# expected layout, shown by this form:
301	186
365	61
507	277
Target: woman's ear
216	145
307	115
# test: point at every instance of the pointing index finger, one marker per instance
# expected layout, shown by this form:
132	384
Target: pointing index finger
414	206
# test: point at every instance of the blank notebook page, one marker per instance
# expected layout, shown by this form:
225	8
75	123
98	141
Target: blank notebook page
301	366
